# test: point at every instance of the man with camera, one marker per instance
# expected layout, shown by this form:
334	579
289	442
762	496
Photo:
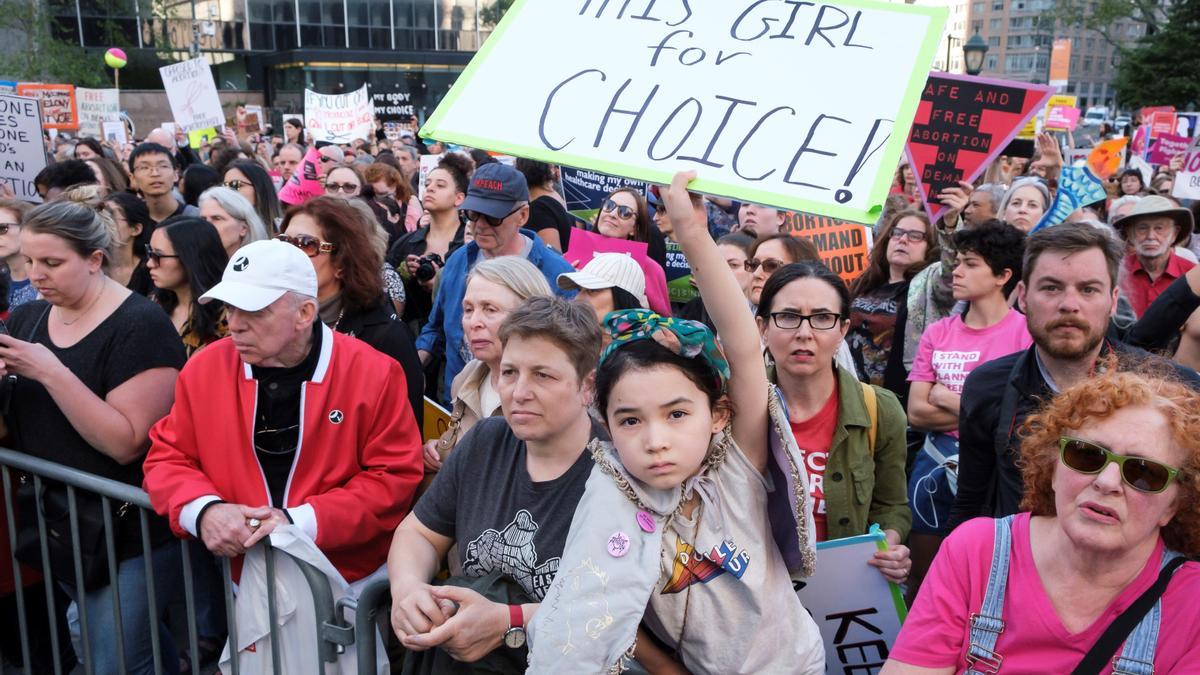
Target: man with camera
497	207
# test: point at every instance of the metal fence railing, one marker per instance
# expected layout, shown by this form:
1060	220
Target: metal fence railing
33	484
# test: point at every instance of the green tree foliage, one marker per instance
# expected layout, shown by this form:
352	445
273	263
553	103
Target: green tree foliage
33	53
490	15
1160	69
1102	16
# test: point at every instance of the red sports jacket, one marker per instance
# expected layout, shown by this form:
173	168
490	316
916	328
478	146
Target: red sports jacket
356	468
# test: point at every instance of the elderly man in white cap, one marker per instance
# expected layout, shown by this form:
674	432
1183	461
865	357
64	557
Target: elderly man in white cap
286	422
1153	228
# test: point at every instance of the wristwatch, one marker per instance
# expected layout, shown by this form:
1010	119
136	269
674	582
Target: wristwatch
514	637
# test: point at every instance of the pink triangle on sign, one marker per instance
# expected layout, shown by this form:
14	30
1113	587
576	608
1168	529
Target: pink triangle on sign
963	124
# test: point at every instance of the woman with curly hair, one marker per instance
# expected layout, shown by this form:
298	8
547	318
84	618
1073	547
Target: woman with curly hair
1110	472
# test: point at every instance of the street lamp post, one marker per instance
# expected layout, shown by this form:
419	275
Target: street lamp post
974	52
950	40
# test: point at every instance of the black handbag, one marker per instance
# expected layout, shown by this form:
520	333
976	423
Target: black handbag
54	507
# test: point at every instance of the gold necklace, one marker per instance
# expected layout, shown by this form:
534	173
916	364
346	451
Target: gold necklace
85	311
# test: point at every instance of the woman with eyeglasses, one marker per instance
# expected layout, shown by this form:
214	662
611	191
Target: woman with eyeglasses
253	182
186	259
350	288
344	182
624	214
19	289
852	434
879	310
770	252
133	231
1112	502
234	217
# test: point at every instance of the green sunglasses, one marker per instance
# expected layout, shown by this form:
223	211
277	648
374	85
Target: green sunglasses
1139	473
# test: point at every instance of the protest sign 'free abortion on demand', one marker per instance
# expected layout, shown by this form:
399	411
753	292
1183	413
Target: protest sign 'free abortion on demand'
643	88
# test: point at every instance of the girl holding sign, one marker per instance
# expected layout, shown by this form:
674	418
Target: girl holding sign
677	530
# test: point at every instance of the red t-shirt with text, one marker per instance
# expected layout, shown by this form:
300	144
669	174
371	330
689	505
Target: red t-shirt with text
814	436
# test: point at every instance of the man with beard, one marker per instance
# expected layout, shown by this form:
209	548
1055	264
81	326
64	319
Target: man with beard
1068	292
1153	228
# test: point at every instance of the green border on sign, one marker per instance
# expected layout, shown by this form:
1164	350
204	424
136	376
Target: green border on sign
876	196
876	535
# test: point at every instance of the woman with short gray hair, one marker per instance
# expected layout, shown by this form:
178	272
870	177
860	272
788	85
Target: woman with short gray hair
96	366
236	219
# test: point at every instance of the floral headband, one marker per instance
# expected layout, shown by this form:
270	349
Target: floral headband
690	339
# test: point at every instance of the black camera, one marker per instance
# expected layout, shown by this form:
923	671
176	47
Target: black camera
428	266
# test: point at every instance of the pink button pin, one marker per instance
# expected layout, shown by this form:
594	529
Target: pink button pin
646	521
618	544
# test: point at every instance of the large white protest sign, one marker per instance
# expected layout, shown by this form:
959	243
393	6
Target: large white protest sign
97	106
858	612
804	106
339	118
22	154
192	94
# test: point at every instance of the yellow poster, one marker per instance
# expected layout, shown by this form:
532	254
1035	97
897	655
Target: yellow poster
437	421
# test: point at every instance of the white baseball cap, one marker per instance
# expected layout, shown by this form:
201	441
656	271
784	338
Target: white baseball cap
260	273
606	270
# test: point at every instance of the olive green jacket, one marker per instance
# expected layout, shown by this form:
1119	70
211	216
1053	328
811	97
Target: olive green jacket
860	488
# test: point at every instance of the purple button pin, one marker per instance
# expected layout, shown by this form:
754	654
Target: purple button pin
618	544
646	521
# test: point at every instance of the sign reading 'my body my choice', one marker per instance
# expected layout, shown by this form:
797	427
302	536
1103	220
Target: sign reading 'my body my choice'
799	105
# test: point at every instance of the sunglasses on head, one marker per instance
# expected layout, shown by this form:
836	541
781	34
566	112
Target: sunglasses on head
769	265
623	212
1139	473
311	246
157	257
475	216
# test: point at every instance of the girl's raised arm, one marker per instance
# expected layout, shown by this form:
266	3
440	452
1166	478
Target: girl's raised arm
726	304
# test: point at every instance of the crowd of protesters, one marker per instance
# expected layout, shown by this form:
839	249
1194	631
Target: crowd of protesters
1014	408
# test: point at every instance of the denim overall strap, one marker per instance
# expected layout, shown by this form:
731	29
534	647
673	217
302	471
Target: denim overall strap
1137	657
988	622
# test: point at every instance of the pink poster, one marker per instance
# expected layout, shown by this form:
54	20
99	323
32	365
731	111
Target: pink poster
585	245
1168	146
1064	117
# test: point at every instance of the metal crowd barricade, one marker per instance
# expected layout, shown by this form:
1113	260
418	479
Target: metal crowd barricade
332	632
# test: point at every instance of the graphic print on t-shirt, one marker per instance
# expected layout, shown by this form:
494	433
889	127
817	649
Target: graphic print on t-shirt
953	365
512	551
691	567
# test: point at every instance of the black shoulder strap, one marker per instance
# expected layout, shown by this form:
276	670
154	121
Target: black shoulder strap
1115	635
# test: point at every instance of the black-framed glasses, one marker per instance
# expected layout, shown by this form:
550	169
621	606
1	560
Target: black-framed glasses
311	246
769	265
793	321
623	212
915	236
1139	473
347	188
238	184
157	257
474	216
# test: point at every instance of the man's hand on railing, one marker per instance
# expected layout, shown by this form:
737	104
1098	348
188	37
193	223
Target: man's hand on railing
225	528
274	518
475	630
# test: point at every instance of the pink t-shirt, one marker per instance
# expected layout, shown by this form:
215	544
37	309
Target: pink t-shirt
950	349
937	632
